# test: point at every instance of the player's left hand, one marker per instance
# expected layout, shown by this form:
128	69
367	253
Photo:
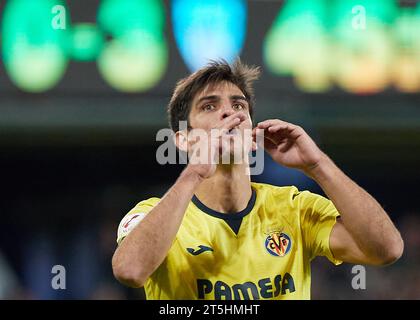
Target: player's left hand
289	145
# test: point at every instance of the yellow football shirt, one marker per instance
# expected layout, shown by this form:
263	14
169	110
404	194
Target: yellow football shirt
262	252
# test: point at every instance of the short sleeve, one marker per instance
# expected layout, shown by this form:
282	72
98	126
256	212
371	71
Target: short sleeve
134	217
318	216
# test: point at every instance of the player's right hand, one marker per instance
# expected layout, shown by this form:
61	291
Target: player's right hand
207	147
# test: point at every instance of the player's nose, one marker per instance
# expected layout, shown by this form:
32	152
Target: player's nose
226	112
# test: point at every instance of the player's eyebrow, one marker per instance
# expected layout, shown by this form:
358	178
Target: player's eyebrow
208	98
217	98
238	97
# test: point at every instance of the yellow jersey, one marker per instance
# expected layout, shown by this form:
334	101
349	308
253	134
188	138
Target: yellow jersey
262	252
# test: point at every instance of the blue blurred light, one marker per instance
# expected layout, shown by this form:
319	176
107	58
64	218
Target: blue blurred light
209	29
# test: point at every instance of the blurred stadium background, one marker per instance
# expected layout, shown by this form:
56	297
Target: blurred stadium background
83	90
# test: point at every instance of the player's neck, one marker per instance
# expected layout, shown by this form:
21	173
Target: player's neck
228	190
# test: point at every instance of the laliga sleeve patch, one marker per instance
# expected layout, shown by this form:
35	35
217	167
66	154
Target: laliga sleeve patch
129	222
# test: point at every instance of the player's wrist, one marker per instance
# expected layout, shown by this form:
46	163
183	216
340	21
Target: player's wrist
191	176
321	170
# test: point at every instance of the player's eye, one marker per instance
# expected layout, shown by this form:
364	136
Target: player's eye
208	107
238	106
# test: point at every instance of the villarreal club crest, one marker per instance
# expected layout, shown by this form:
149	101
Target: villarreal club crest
278	243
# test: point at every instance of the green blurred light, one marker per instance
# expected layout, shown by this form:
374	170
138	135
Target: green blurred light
384	11
33	50
137	57
36	69
298	22
406	29
363	52
120	16
86	42
297	44
134	63
406	63
378	14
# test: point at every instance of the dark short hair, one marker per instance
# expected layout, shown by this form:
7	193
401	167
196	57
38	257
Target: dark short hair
239	74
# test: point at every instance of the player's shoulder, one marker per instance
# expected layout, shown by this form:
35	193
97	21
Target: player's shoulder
291	195
143	207
265	190
148	202
134	216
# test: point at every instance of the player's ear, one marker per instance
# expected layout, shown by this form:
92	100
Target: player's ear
181	140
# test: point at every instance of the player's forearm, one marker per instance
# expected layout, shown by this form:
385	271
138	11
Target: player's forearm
145	248
362	216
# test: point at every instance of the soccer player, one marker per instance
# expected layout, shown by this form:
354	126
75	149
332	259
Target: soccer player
217	235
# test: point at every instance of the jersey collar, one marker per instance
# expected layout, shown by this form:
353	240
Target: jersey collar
226	216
